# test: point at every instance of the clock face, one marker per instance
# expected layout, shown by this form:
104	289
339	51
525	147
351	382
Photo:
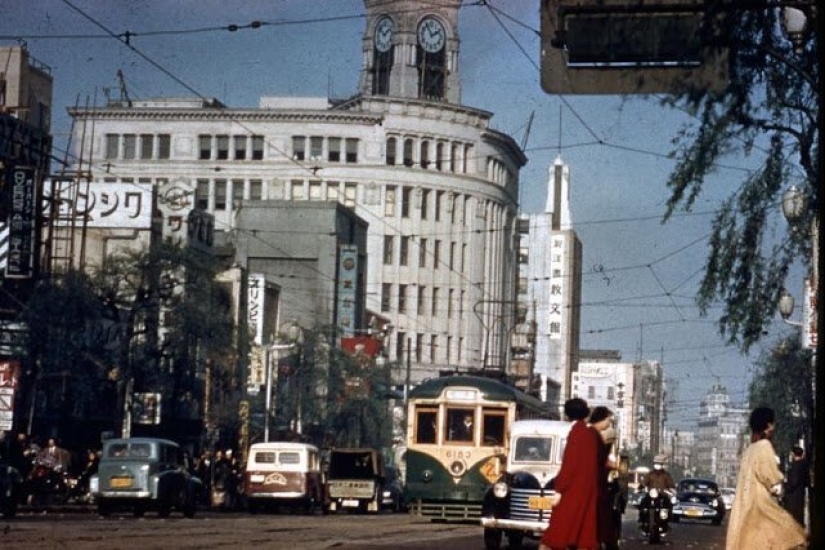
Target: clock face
431	35
383	34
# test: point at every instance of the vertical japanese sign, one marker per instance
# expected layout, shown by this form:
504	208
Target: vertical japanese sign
256	294
8	382
347	282
21	194
809	313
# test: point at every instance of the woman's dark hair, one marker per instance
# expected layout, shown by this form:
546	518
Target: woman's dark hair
576	409
760	418
599	413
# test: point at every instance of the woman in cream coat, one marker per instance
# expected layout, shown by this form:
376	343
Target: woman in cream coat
757	520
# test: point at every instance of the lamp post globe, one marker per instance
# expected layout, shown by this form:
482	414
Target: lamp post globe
794	204
786	304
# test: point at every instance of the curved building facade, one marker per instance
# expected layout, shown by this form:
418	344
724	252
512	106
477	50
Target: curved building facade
437	186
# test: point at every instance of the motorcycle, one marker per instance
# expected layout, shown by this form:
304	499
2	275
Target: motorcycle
46	485
654	515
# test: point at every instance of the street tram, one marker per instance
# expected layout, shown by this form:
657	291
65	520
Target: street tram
458	440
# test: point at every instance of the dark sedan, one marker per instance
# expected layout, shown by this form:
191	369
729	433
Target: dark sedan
698	499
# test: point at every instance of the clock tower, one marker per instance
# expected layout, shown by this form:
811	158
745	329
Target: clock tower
411	50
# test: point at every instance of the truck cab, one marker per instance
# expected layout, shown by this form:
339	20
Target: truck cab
519	504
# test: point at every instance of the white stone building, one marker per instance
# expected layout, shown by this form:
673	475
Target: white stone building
437	186
549	291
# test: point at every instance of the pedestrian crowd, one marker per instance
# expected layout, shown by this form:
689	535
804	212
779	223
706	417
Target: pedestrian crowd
769	513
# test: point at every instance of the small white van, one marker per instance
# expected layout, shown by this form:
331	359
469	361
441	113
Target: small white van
283	473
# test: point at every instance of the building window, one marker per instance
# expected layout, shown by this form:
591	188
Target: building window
436	254
237	192
425	201
205	147
352	150
256	190
386	293
451	295
164	146
434	302
223	147
452	256
129	145
350	191
257	147
422	252
202	195
406	200
419	347
391	153
591	392
461	305
449	351
240	147
439	156
315	191
454	157
399	345
460	350
389	245
220	194
439	198
334	152
316	148
522	285
408	152
389	201
425	154
332	190
463	256
112	142
147	146
296	190
299	144
405	248
402	298
422	292
433	347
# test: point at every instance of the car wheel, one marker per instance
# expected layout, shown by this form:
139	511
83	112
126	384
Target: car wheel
515	540
164	506
138	511
104	509
492	539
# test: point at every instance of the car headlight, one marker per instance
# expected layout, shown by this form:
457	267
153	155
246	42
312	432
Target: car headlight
94	484
674	500
714	503
663	513
500	489
427	476
654	493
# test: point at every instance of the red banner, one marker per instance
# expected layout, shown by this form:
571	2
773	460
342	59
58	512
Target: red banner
361	345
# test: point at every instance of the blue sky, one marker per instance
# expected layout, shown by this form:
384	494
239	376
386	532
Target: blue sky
639	276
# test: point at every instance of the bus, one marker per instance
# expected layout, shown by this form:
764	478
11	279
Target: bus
458	440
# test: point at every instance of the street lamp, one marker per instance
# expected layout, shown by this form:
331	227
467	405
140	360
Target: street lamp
786	306
795	25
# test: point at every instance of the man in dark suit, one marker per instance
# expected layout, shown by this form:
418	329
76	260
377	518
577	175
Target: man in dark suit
796	483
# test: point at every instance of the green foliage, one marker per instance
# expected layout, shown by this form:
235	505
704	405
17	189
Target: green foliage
771	104
783	381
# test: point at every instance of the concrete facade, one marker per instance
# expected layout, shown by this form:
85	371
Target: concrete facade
437	186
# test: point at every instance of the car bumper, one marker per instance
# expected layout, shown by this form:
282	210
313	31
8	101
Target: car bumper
695	513
125	496
514	525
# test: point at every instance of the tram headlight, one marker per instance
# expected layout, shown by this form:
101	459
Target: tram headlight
654	493
427	476
500	489
457	468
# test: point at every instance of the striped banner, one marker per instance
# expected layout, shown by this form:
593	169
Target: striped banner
4	247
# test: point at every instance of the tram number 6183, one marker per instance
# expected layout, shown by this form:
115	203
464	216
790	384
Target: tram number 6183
464	455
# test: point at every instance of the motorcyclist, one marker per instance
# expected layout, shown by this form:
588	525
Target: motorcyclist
661	480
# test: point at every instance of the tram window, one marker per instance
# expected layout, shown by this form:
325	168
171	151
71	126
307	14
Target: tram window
460	425
493	427
425	426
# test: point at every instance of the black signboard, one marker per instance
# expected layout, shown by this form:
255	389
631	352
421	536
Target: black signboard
20	192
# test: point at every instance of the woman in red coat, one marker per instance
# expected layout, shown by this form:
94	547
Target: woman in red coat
574	520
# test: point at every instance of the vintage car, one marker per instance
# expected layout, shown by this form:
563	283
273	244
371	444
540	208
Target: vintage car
357	480
519	504
141	474
11	489
284	474
698	499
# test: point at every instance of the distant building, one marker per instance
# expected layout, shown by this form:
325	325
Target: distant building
602	379
721	436
549	288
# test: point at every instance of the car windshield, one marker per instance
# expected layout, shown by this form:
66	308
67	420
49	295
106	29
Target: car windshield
699	487
129	450
533	449
352	466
